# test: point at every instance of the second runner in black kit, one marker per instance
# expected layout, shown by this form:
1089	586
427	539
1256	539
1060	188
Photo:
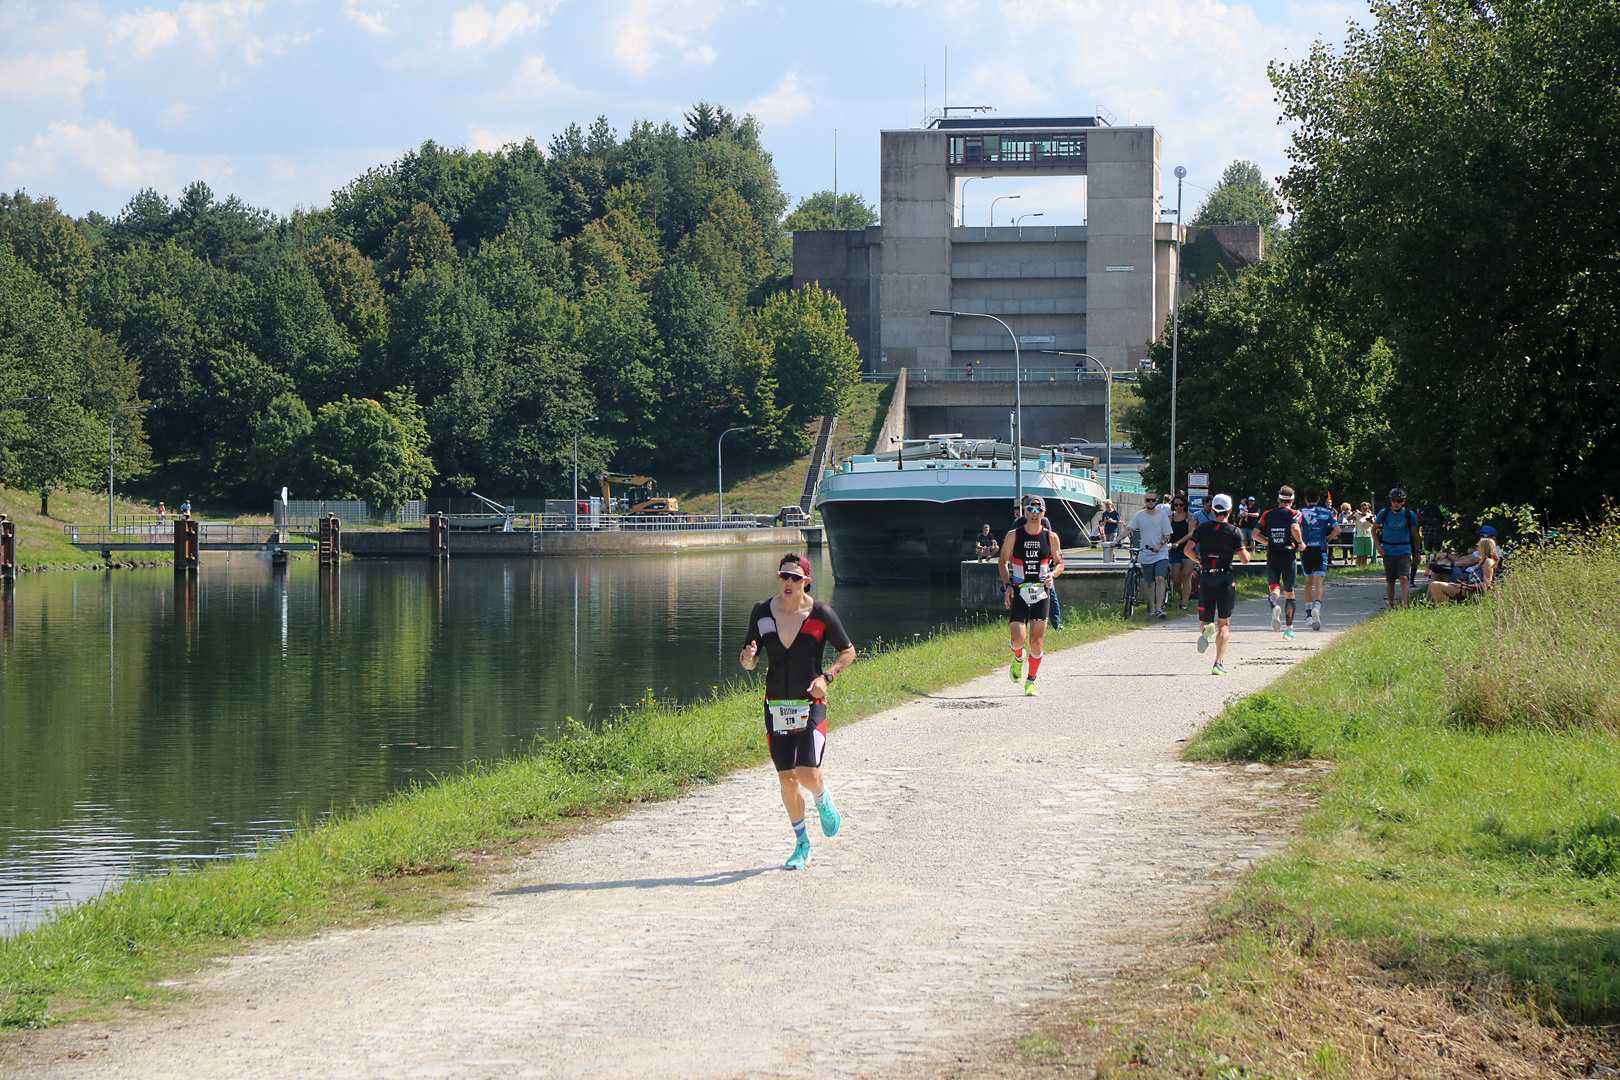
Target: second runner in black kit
1031	562
793	629
1212	547
1279	529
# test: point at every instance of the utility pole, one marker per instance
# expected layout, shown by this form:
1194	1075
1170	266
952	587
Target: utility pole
1175	330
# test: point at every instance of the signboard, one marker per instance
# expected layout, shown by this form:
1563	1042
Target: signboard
1047	340
1196	503
1119	269
1198	479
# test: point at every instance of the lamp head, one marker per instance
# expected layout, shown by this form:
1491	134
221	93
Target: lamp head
1181	173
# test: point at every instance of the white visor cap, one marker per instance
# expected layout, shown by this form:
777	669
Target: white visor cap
1220	503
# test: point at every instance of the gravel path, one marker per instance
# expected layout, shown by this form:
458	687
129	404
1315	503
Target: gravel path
994	849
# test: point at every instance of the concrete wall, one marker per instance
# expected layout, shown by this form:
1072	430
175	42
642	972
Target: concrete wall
915	274
413	542
894	423
841	262
1057	411
1122	210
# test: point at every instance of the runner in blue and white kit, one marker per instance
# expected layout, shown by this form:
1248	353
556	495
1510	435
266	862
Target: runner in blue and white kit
793	629
1317	525
1395	529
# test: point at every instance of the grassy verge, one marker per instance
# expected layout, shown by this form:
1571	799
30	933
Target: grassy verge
41	544
413	853
1451	905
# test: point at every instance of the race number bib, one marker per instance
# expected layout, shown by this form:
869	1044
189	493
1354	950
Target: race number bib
1032	594
788	717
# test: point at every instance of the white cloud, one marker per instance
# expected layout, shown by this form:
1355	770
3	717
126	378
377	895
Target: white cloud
646	28
109	154
784	104
176	114
148	29
535	79
476	26
372	20
490	139
703	54
62	74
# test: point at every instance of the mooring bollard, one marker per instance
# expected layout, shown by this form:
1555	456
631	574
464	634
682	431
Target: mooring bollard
185	544
8	549
331	540
438	536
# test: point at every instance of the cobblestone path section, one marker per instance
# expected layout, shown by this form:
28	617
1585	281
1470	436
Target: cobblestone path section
995	847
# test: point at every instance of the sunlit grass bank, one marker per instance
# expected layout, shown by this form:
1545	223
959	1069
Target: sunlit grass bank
411	853
1455	896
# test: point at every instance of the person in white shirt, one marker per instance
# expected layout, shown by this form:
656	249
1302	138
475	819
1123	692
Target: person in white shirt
1151	527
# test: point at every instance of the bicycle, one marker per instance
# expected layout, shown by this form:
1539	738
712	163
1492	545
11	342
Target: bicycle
1133	583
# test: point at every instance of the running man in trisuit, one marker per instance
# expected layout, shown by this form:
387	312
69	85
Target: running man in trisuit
1278	530
1031	561
1211	547
1315	521
795	629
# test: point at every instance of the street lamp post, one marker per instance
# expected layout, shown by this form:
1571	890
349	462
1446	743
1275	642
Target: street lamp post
575	500
965	182
112	422
1175	329
1021	217
3	407
720	474
1108	468
995	200
1018	392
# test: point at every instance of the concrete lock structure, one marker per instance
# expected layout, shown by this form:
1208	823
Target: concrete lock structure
1103	287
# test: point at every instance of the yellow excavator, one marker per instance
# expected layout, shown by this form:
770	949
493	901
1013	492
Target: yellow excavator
651	505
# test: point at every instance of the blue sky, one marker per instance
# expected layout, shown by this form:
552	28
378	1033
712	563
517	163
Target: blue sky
282	101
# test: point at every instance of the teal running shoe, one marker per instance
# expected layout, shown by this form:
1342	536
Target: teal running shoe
1016	671
831	819
801	852
1289	633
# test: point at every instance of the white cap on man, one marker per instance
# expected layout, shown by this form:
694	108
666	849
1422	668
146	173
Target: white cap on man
1221	504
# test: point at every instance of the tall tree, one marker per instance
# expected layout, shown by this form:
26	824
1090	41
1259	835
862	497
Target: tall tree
46	241
816	212
817	363
361	448
1243	196
1452	166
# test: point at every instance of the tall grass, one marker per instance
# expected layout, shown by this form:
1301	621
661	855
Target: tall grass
1472	823
344	868
1547	653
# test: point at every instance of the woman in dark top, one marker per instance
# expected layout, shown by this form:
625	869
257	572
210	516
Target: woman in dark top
1182	571
794	629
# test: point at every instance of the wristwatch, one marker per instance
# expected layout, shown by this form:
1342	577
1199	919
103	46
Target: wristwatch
829	676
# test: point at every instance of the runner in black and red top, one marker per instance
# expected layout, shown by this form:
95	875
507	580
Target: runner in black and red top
1031	561
1279	530
794	629
1211	548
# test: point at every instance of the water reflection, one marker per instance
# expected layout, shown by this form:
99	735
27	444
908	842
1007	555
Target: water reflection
149	718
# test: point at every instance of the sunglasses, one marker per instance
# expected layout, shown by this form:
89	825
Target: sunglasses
1034	509
1179	505
787	575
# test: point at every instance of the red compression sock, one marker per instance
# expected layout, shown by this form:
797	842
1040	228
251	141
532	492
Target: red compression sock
1018	654
1034	663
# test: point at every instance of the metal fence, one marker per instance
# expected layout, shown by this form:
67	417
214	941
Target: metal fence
554	522
304	513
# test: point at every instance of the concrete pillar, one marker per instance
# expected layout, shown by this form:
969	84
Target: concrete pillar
1122	210
915	270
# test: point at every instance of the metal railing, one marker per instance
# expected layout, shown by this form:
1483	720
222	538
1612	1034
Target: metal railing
619	522
304	513
148	530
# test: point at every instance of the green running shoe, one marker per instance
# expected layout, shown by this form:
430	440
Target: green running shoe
1205	636
1016	671
1029	689
801	852
1217	670
831	819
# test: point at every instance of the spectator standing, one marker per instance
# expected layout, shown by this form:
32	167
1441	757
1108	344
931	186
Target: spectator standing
1363	543
1151	526
1395	528
1110	521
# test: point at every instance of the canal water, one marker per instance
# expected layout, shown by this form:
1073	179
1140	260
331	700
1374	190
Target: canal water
149	720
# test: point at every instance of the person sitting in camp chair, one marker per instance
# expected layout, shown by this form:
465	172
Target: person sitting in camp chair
1470	574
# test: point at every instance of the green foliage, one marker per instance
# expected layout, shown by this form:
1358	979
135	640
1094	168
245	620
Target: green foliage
1261	727
1452	166
363	449
46	241
817	362
514	292
1243	196
1268	394
816	212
